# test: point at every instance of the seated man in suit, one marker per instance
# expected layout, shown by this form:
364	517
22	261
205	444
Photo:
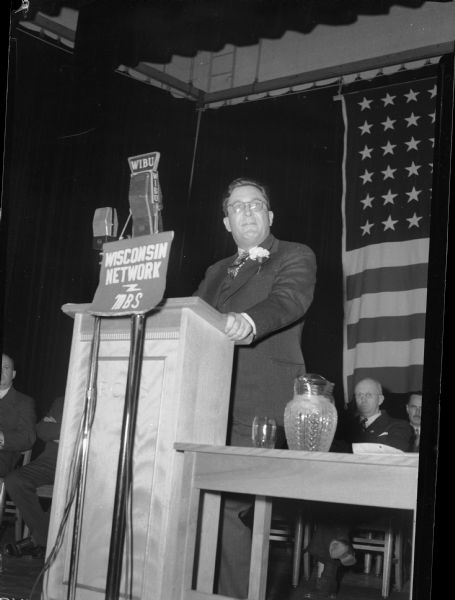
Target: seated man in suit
17	419
330	543
21	485
414	410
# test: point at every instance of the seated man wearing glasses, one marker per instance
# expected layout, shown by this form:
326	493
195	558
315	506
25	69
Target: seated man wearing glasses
265	289
330	543
373	425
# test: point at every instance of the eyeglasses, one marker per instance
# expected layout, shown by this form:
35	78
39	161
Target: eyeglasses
239	207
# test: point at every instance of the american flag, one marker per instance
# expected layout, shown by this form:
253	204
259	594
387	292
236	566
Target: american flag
387	178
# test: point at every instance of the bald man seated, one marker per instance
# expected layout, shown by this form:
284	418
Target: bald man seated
330	544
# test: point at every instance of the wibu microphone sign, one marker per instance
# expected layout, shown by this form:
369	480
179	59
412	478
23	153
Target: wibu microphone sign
144	162
132	275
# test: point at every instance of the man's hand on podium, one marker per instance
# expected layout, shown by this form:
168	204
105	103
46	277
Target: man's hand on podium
237	327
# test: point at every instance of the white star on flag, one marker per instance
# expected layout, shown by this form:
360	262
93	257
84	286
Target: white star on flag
413	194
389	224
366	152
413	221
432	92
366	228
367	201
367	176
388	99
365	104
411	96
413	169
388	148
388	123
366	127
412	144
388	173
432	116
412	119
389	197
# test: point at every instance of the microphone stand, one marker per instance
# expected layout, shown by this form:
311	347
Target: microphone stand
123	490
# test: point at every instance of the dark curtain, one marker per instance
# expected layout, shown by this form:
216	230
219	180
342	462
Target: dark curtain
66	155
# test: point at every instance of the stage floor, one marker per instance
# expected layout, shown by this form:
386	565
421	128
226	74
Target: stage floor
19	575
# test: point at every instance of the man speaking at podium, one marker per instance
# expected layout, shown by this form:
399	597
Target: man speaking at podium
265	290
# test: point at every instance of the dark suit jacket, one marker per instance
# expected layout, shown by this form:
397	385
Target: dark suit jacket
276	294
17	422
50	432
385	430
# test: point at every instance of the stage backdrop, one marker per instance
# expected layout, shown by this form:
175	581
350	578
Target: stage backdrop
69	138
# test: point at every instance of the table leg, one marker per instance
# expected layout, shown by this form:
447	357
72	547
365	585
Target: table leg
260	548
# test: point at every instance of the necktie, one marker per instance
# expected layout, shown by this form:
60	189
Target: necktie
238	263
363	424
416	441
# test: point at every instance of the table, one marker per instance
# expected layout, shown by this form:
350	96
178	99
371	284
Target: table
373	480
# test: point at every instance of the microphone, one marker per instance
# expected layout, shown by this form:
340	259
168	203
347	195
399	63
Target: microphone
105	226
145	197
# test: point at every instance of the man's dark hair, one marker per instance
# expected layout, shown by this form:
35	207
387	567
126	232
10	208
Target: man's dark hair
244	181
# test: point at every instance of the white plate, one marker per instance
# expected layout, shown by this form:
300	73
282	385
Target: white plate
375	449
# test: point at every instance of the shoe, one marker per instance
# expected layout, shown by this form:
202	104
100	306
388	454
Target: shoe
25	547
319	595
343	552
247	516
324	587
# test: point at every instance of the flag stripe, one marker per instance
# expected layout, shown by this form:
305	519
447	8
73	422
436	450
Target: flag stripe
391	254
382	329
394	379
389	279
383	354
386	304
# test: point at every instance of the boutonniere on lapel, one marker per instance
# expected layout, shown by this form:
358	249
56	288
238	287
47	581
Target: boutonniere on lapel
259	254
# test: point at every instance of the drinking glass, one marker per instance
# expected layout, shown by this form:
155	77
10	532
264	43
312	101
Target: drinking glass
263	432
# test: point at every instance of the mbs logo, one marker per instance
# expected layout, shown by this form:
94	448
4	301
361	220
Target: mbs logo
130	299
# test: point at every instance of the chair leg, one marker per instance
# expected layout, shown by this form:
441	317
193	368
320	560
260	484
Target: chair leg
378	565
398	558
306	556
388	552
2	498
367	558
18	523
298	535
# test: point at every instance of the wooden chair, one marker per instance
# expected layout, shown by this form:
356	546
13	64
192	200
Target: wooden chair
7	507
387	542
300	536
384	540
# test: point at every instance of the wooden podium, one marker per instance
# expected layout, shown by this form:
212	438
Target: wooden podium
184	397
